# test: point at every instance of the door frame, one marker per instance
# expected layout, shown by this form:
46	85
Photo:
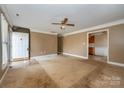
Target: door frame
23	30
106	30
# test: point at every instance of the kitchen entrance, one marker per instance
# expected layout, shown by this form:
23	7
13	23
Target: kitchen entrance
98	46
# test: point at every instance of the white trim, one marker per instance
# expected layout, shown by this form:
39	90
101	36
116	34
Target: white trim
116	63
4	74
95	31
44	32
107	45
96	27
44	55
75	55
87	45
107	41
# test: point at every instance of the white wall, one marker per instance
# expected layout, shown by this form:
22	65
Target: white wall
101	51
101	44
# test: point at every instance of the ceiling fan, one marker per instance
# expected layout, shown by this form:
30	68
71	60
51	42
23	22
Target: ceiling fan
63	23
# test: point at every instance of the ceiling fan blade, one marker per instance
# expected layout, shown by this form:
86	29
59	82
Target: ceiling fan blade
56	23
70	24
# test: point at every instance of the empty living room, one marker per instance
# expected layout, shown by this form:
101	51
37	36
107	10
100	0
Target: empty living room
61	46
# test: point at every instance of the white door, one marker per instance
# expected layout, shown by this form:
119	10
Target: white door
20	45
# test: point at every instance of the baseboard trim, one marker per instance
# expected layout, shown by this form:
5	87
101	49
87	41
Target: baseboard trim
75	55
116	63
4	74
44	55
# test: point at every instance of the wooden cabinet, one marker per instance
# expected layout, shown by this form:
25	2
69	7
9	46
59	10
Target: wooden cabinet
91	39
91	50
91	42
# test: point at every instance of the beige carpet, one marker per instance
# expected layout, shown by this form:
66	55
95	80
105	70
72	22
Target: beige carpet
63	71
66	71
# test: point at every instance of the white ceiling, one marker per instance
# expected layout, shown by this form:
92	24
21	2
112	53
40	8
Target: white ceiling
40	16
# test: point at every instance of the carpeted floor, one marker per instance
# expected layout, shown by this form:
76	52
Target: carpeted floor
62	71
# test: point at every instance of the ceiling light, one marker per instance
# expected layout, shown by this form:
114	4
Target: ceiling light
63	27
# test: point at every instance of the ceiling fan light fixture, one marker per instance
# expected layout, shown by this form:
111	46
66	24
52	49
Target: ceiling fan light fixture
63	24
62	27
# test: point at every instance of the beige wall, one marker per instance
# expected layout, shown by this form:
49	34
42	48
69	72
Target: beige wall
74	44
77	44
116	44
42	44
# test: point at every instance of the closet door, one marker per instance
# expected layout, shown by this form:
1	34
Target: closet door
4	30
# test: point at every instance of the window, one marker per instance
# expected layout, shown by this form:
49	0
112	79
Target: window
4	30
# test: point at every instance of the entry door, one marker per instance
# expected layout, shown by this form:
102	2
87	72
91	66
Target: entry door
20	45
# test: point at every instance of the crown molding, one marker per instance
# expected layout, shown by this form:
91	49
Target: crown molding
43	32
97	27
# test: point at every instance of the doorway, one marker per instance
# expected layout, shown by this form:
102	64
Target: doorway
98	45
20	46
